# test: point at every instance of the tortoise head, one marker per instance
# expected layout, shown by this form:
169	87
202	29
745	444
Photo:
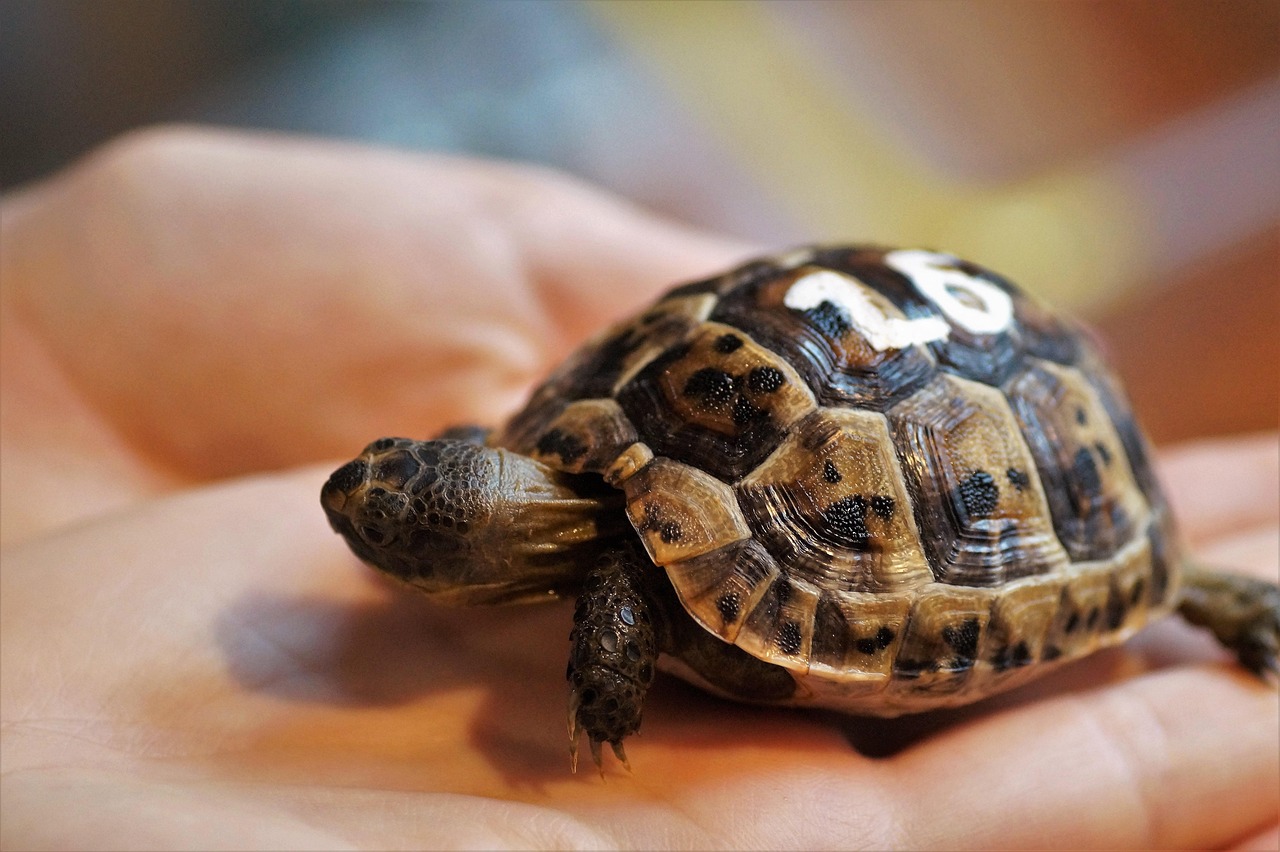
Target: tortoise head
463	522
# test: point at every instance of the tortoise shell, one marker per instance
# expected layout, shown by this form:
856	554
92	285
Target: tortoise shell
886	471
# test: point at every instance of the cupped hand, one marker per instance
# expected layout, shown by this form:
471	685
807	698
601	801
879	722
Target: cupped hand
197	327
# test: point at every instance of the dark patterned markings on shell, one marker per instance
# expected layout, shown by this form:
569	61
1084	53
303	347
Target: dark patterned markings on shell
1081	417
1017	478
1117	609
727	343
729	605
609	361
963	639
830	319
782	591
1092	621
1135	594
789	638
1012	657
1103	453
1073	621
568	447
383	444
765	379
829	472
870	644
914	668
1051	653
883	506
846	521
979	494
669	531
744	412
830	356
1161	562
715	388
1085	471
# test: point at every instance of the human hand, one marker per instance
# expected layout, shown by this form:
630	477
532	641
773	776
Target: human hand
198	327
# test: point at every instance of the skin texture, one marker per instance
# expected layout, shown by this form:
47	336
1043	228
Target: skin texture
197	328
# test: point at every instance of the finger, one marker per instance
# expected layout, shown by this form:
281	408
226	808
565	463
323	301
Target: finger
233	303
1266	840
1147	763
1181	757
1218	487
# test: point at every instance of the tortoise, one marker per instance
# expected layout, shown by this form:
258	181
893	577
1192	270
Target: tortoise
875	480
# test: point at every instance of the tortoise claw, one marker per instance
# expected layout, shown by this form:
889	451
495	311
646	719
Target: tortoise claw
596	756
573	731
597	746
620	753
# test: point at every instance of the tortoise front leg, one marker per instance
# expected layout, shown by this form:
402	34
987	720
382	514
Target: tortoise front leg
613	655
1243	613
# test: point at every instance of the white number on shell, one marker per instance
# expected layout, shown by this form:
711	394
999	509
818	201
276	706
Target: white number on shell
850	295
971	303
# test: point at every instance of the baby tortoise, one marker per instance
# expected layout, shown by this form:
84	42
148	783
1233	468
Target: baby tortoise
881	481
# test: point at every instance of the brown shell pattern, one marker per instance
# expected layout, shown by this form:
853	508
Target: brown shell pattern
890	470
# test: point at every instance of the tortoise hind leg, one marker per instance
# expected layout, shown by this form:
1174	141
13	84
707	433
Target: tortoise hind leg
1243	613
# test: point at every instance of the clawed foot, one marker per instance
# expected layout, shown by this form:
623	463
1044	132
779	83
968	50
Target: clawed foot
596	744
1243	613
1258	643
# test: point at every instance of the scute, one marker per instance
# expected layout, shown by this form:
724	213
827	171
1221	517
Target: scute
823	342
587	435
983	514
718	400
856	635
1097	506
831	506
721	588
945	637
681	512
594	372
988	358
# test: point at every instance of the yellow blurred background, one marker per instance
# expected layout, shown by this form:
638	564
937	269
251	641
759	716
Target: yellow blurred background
1121	159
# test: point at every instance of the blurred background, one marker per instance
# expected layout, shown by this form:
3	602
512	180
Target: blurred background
1118	158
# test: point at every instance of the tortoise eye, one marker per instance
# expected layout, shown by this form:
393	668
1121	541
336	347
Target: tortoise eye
396	469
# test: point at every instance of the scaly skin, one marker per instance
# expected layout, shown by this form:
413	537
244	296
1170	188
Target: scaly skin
613	654
1241	612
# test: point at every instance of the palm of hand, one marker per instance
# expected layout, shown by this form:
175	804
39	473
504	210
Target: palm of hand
190	654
